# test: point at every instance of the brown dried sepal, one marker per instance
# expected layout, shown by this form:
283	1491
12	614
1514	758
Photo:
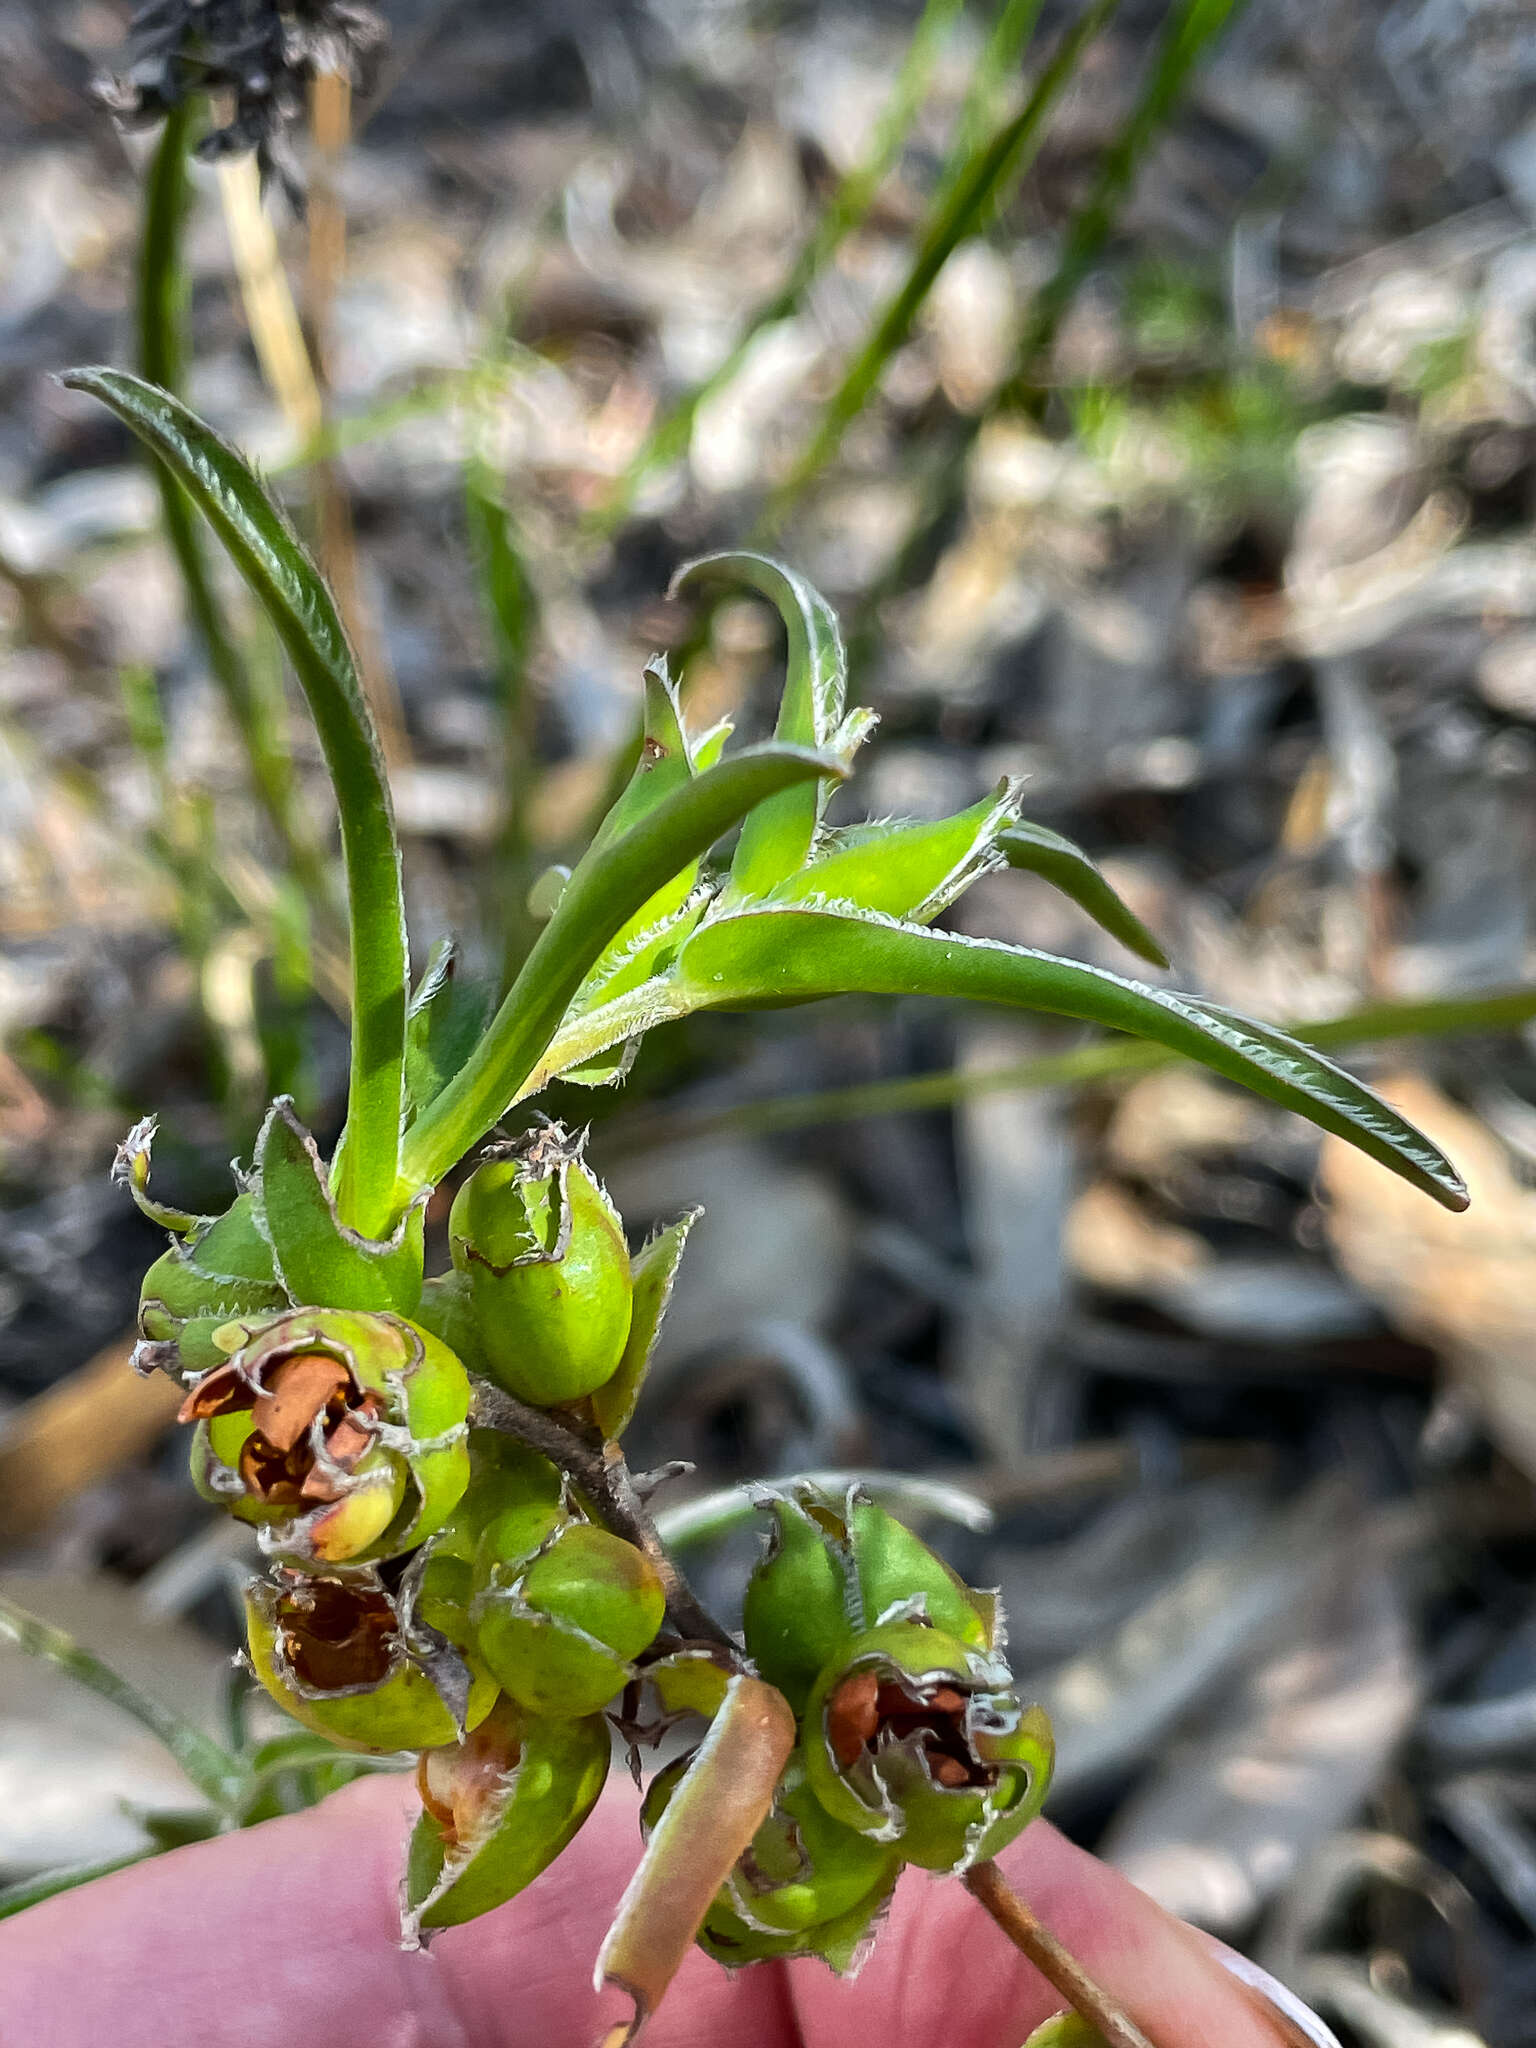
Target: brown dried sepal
279	1461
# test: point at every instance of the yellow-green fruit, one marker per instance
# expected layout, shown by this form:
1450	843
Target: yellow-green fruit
919	1740
498	1809
340	1431
331	1651
559	1631
542	1251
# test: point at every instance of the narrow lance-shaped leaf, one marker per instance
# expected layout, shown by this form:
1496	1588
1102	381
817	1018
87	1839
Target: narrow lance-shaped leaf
318	1258
907	870
1040	851
771	956
264	549
710	1820
653	1269
605	891
777	837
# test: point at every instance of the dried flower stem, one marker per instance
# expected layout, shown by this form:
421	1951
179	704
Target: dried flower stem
1056	1964
599	1471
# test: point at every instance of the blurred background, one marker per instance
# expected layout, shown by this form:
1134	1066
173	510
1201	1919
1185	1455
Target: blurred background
1162	422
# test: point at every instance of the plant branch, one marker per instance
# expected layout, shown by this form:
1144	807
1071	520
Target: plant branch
600	1472
1060	1968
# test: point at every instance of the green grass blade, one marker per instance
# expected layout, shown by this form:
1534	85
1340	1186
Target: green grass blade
999	61
1039	851
954	217
845	210
1191	27
790	955
215	1773
605	891
281	575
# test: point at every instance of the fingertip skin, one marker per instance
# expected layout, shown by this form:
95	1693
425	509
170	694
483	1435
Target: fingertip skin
294	1927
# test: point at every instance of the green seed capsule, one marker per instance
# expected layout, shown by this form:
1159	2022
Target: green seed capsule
203	1281
543	1252
919	1740
340	1433
834	1568
497	1809
504	1477
796	1614
349	1658
807	1885
561	1627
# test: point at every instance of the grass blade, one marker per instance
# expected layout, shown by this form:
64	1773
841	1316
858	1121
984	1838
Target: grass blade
954	216
845	210
1191	27
789	955
281	575
161	312
607	888
215	1773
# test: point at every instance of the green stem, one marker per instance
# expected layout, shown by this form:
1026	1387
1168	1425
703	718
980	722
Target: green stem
31	1891
953	217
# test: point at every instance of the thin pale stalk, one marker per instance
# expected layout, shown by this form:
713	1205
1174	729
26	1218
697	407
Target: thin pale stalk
952	219
215	1773
1056	1963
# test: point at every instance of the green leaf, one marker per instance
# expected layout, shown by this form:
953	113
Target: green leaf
768	956
1040	851
911	871
653	1269
605	891
319	1260
777	837
446	1017
281	575
211	1769
711	1516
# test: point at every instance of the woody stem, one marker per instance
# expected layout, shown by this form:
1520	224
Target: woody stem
1056	1963
599	1472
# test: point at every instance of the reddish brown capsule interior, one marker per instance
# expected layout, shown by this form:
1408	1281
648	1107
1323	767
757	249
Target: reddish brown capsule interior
458	1784
868	1708
277	1460
336	1635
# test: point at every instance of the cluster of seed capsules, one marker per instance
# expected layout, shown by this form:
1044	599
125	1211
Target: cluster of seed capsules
436	1585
